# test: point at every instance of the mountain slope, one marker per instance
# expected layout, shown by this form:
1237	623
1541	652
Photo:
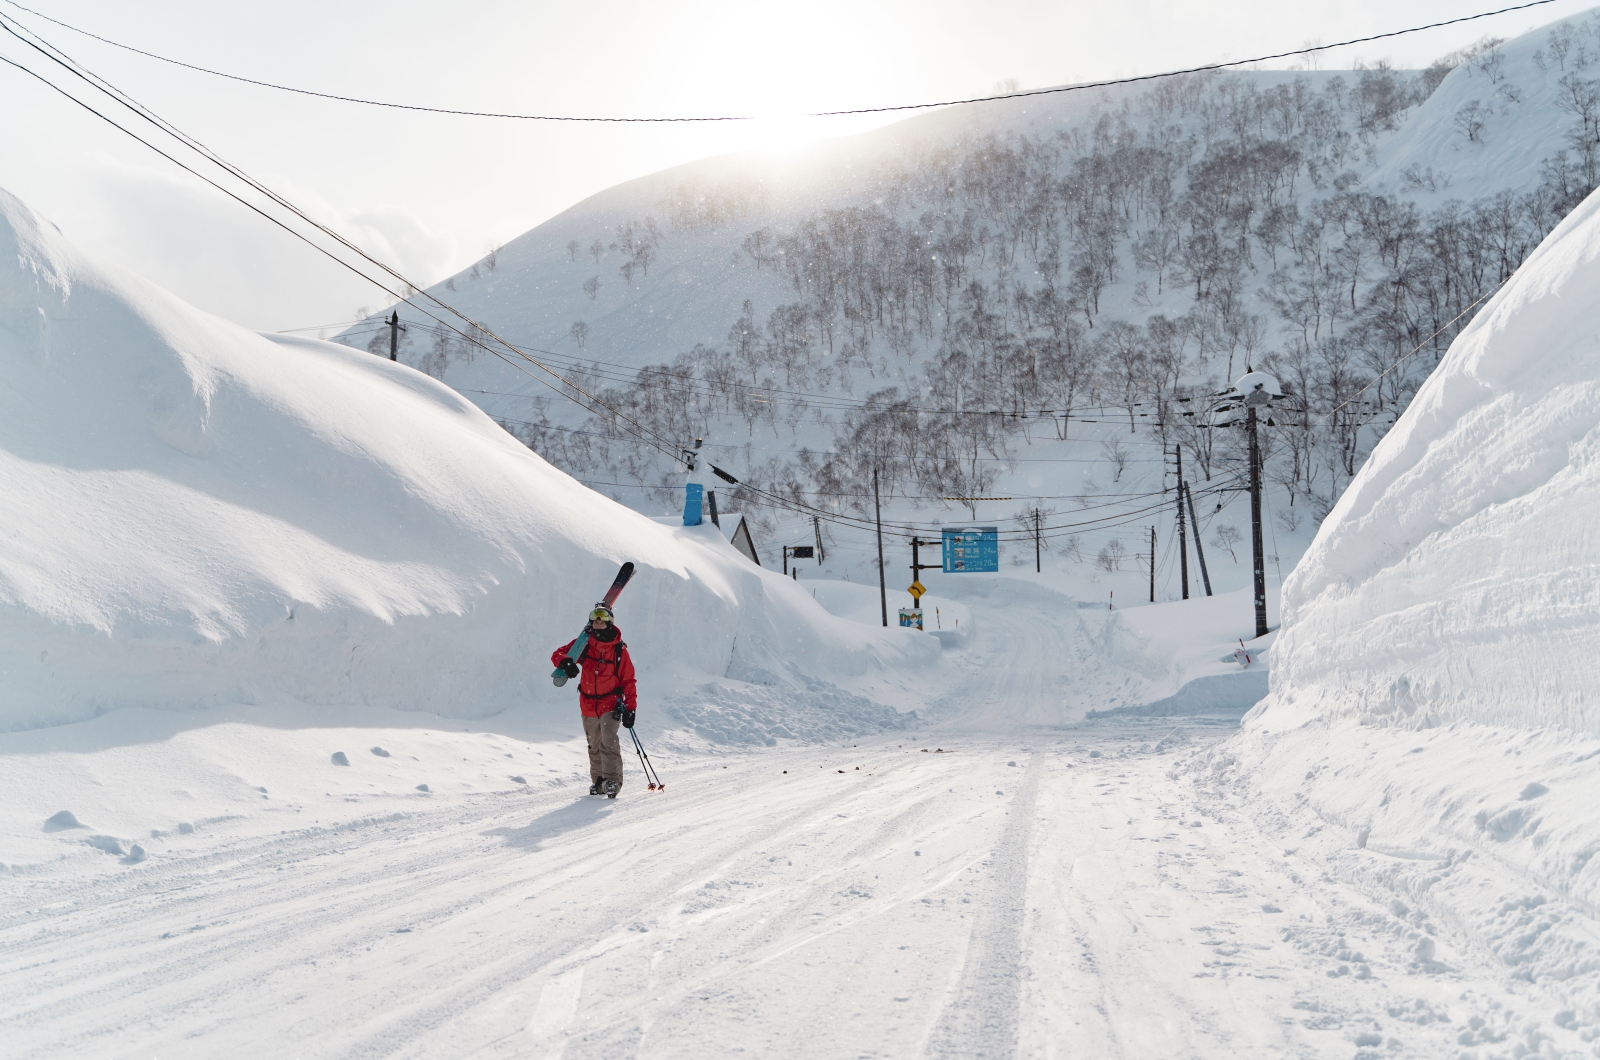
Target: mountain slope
969	300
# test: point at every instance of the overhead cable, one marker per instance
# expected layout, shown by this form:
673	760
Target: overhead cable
889	109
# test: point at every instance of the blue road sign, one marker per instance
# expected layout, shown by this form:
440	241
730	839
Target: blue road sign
972	550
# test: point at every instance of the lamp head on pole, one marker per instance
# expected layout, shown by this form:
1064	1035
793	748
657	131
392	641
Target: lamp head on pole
1257	389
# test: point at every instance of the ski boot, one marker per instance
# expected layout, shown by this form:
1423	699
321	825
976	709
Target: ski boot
595	788
611	788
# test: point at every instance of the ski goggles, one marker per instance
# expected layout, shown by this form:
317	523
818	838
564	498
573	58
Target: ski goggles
599	614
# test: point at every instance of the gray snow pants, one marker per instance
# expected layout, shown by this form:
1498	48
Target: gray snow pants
605	749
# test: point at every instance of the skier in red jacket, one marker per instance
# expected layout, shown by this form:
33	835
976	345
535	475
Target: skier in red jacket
607	696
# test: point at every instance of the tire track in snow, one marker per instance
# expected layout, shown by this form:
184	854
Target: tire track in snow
981	1020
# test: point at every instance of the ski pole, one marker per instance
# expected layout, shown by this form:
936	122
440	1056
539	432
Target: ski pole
650	767
650	774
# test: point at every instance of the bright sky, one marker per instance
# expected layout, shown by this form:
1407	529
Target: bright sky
428	192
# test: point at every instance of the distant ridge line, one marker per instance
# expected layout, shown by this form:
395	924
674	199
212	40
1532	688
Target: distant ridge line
813	114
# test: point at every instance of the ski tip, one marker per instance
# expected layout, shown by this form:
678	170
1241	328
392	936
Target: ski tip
558	678
628	567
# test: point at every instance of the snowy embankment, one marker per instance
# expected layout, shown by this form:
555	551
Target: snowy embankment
200	516
1433	726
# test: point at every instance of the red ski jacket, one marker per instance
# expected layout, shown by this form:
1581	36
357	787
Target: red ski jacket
607	671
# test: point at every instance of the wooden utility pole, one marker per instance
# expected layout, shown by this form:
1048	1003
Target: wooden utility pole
1256	546
1205	576
1183	538
1152	564
816	525
1038	517
394	335
877	511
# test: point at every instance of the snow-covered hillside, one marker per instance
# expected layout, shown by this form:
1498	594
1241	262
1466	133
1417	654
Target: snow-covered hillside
1431	728
996	301
199	515
1496	122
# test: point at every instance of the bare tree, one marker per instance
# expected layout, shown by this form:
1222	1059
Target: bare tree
1115	455
573	246
580	333
1469	120
1226	538
591	287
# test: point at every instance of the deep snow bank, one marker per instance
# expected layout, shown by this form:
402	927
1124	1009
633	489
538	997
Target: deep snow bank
195	514
1459	576
1432	720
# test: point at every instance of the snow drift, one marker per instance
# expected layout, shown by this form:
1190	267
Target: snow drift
196	514
1459	576
1432	721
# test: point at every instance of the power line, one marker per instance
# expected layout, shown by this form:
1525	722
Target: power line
643	433
65	61
893	108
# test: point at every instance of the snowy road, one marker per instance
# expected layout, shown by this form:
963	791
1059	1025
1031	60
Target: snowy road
870	901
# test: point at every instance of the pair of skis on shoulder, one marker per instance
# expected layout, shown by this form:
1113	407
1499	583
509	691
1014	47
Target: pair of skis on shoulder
558	675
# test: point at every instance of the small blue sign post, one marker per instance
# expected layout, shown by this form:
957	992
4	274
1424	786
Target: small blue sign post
972	550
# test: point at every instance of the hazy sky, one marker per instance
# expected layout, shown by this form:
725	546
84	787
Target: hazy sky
427	192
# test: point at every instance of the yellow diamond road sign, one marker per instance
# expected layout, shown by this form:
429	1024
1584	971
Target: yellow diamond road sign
916	590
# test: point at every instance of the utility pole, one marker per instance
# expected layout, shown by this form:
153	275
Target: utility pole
1255	520
1200	554
877	511
816	525
1037	567
1183	538
1152	564
917	567
394	335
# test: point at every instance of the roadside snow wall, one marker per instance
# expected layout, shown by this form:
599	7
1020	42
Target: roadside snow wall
1459	576
1433	723
194	514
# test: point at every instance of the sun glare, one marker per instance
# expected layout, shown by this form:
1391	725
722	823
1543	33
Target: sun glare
721	58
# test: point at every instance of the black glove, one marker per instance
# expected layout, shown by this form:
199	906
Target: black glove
569	667
627	719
